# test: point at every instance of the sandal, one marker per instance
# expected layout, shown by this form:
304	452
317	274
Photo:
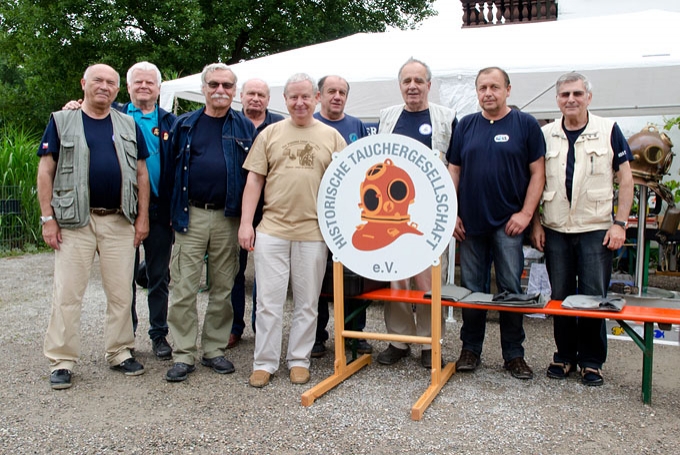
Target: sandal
591	376
560	370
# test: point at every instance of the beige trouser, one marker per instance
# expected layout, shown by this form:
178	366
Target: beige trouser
213	233
112	236
275	261
399	317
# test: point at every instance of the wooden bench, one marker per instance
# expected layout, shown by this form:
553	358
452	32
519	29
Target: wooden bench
440	374
632	313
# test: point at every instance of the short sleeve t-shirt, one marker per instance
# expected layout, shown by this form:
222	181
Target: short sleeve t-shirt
207	167
351	128
293	159
619	145
418	125
494	159
104	172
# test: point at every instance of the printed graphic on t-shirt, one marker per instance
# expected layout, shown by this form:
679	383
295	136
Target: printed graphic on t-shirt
301	154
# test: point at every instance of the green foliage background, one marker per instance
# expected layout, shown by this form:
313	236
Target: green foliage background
45	45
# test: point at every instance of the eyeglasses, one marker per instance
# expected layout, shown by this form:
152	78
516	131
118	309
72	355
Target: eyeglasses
225	85
576	93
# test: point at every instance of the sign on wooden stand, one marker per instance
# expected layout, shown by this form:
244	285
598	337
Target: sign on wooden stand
387	209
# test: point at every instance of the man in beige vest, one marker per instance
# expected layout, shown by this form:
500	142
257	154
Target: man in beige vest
433	125
94	198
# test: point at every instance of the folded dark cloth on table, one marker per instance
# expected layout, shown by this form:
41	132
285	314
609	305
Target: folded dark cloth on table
594	302
460	294
509	297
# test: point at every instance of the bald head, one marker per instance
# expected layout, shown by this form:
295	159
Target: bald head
255	99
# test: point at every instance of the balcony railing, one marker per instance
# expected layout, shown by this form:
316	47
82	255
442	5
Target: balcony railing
498	12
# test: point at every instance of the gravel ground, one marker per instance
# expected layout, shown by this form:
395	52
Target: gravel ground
484	412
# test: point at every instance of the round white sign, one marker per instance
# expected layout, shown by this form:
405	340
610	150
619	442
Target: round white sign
387	207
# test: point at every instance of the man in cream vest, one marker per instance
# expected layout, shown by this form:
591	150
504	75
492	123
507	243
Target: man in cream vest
93	189
585	154
433	125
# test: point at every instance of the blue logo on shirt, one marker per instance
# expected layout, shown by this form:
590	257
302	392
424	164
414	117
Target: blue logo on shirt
501	138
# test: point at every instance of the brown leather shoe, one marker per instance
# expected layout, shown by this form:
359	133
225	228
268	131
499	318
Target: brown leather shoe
233	340
468	361
519	369
259	378
299	375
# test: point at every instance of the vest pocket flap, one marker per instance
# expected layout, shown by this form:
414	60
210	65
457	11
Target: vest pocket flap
66	208
127	137
67	156
551	153
548	196
604	194
63	202
598	151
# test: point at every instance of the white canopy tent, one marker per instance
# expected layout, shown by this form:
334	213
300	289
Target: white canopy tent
633	61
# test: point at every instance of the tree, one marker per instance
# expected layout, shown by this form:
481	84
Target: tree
45	45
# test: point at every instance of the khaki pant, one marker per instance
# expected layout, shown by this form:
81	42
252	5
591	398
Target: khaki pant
213	233
111	236
275	261
399	317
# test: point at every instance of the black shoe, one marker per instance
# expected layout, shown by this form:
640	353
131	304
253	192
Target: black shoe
362	346
130	367
560	370
179	372
468	361
519	369
162	348
392	354
591	376
60	379
318	350
426	359
219	364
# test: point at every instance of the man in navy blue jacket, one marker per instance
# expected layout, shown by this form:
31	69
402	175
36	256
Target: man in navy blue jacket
209	146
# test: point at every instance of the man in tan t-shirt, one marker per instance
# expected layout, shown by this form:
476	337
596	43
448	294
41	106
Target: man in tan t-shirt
287	162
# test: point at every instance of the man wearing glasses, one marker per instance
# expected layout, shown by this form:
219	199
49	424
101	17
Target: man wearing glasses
209	146
585	154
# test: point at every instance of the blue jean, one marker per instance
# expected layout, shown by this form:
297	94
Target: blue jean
238	297
157	251
476	255
578	264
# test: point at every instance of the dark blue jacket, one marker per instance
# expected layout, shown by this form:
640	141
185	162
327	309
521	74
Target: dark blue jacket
159	207
238	134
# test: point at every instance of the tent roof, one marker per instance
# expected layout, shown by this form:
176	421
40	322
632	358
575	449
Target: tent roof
633	61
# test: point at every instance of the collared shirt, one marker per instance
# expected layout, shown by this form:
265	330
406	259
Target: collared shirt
148	123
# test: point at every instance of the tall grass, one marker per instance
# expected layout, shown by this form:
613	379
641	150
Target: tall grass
19	208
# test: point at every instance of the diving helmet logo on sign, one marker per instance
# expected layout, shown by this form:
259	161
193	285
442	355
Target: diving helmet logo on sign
387	207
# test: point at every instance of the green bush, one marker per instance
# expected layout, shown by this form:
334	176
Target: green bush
19	207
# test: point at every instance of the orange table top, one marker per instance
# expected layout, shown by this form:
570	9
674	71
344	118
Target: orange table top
629	312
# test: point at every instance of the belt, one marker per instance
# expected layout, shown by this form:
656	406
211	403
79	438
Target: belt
104	212
205	205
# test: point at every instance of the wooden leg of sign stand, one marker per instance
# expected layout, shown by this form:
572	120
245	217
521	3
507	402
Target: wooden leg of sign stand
439	376
342	370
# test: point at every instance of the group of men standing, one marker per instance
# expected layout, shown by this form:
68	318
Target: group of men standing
220	183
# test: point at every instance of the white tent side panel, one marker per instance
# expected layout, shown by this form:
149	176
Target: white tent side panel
633	61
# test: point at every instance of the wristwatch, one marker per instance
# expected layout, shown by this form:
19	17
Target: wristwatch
45	219
623	224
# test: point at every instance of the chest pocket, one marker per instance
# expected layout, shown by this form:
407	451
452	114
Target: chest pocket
597	162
